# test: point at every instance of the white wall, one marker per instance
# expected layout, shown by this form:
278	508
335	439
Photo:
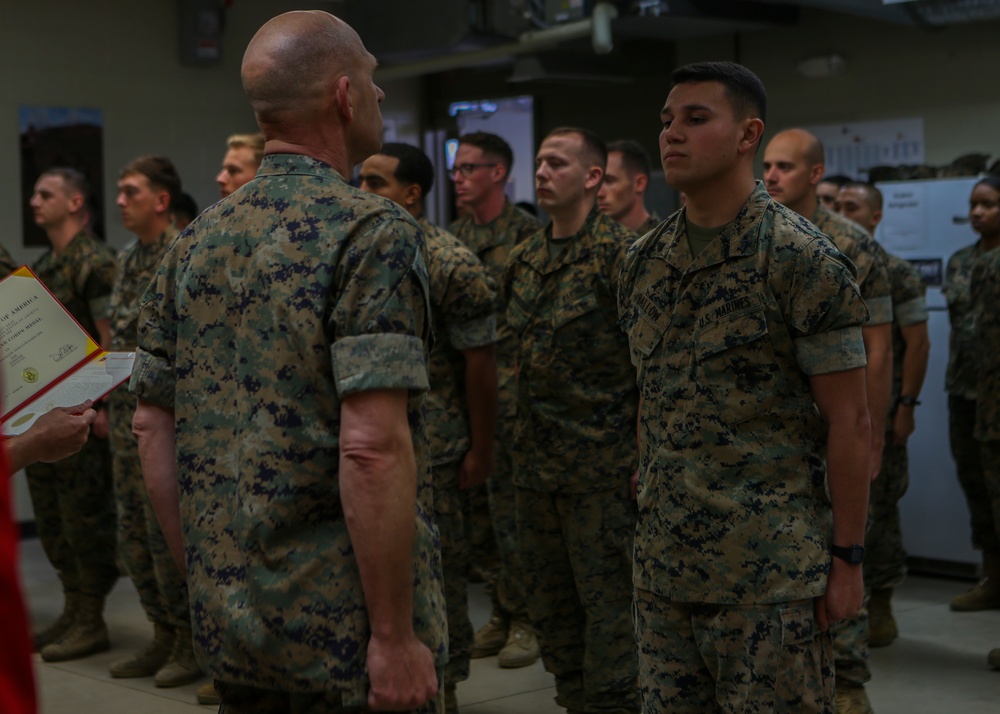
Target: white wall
946	77
121	56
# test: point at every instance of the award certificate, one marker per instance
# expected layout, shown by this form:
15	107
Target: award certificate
46	359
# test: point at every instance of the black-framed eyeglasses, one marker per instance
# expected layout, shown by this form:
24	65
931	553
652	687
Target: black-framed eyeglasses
467	169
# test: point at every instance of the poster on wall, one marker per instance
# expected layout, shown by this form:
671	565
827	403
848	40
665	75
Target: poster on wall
55	137
853	149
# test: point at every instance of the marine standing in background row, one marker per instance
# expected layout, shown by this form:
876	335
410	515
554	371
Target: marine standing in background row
793	166
962	381
574	442
73	499
744	323
462	402
885	556
985	296
146	190
622	195
491	228
282	344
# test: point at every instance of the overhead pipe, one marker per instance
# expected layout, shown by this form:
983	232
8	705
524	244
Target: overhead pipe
597	27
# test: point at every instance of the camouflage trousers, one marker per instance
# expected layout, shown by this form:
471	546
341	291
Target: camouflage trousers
507	592
968	462
576	550
885	556
697	658
75	517
239	699
455	560
143	549
990	455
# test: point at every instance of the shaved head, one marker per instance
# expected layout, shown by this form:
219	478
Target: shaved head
805	144
294	59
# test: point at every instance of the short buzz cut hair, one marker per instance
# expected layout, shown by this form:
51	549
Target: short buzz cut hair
490	144
414	167
838	180
745	90
75	181
254	142
634	157
873	197
159	171
593	145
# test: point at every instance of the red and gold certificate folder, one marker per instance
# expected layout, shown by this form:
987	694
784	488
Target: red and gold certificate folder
47	359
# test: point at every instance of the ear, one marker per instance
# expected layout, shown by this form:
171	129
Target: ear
499	173
412	195
594	176
816	172
162	202
76	202
753	130
877	216
342	97
640	182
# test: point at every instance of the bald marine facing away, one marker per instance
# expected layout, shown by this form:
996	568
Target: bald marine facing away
301	495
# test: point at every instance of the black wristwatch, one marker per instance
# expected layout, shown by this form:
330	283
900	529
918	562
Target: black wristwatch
905	400
853	554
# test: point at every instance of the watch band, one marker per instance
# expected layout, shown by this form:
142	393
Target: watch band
905	400
853	554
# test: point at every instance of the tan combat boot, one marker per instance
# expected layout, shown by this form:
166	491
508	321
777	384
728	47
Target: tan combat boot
852	700
882	629
984	595
181	668
87	636
55	631
206	694
491	637
521	648
148	661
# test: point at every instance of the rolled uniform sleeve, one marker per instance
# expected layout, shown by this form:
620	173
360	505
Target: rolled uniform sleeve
153	378
380	322
827	314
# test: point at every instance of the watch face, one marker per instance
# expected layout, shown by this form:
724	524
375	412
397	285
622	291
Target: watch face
854	554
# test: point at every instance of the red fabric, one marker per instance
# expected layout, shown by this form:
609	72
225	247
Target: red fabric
17	683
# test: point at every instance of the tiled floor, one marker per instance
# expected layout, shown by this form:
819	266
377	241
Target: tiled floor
937	666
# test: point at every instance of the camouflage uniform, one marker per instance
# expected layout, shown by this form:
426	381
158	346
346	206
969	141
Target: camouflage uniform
885	557
7	264
275	304
850	635
463	297
961	384
649	224
984	294
73	498
574	452
492	243
143	550
734	522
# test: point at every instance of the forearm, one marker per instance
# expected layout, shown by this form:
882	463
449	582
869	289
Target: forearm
848	464
481	397
155	431
21	451
918	349
878	378
378	493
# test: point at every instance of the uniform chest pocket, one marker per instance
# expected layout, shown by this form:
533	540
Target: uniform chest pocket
735	360
572	309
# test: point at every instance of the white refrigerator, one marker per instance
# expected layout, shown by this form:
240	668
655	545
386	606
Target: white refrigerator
925	222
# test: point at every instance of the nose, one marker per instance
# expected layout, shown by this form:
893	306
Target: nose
379	93
770	176
34	202
221	178
120	201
